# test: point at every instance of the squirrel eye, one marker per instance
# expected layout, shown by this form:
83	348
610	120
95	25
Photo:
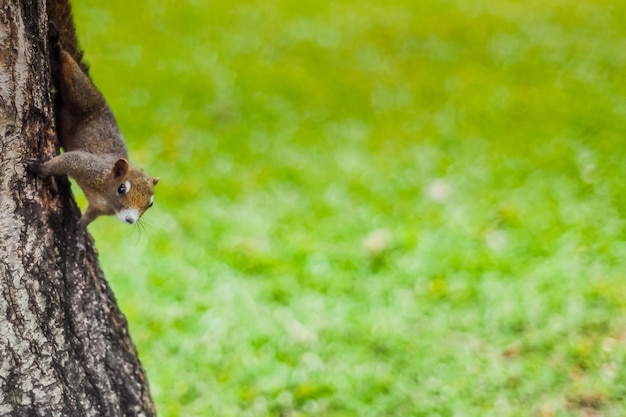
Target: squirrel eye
124	188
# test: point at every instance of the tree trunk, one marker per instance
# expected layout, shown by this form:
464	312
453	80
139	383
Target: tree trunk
64	344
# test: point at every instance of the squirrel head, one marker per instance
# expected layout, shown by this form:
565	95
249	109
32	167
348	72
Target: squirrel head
132	191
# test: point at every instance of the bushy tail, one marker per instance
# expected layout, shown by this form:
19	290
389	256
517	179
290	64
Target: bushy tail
60	14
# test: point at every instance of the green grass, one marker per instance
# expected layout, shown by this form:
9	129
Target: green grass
372	208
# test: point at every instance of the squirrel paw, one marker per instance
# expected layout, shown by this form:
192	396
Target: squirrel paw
81	232
80	242
54	38
34	166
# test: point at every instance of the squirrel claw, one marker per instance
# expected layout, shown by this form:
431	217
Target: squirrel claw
54	37
33	166
53	32
80	243
81	231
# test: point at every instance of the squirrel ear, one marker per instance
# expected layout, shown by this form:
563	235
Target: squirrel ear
120	167
155	180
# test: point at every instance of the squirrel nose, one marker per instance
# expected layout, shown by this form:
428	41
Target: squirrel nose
128	215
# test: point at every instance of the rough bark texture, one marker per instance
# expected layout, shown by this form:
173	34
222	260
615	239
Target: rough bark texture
64	344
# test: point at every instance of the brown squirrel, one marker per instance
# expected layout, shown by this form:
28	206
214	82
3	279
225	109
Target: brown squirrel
95	153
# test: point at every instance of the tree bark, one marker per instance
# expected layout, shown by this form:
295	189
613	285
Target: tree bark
64	344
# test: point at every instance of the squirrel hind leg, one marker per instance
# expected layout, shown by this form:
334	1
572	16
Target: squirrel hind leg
54	39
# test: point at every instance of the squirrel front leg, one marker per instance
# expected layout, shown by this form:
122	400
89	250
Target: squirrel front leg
71	163
90	214
87	169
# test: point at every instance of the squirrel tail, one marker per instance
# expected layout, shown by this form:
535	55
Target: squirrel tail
60	15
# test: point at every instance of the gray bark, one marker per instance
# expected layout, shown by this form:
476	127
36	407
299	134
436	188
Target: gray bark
64	344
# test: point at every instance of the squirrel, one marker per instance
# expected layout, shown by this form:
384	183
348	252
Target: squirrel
95	154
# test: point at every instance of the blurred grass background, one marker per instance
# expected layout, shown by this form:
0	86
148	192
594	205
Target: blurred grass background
371	208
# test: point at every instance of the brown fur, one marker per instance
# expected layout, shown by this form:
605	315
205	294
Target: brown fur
95	153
